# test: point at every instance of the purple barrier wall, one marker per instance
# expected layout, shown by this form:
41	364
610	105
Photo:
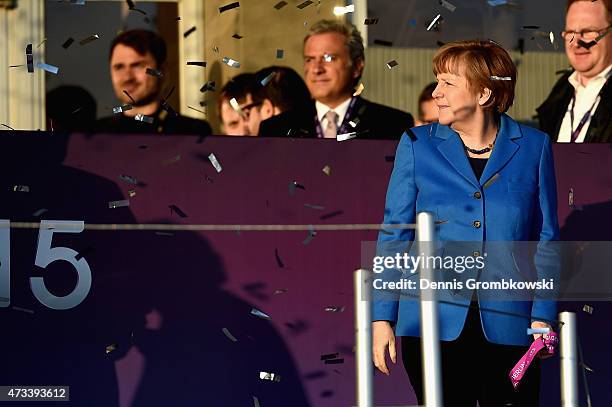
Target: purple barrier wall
172	302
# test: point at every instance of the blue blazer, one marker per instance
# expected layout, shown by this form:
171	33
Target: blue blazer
514	200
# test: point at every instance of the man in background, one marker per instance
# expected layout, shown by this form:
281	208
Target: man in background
579	108
234	119
137	59
428	110
334	60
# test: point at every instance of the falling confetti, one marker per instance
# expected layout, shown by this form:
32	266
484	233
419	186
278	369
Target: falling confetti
383	43
197	63
370	21
359	89
228	334
21	188
237	36
68	43
144	118
303	5
128	179
119	204
311	234
172	160
588	309
122	108
346	136
231	62
111	348
280	5
331	215
208	86
268	78
537	331
29	58
280	54
316	207
450	7
215	163
155	72
269	376
89	39
259	314
229	7
501	78
327	170
189	32
334	309
392	64
435	23
177	210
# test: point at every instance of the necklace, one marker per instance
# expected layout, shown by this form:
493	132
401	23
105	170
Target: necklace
479	152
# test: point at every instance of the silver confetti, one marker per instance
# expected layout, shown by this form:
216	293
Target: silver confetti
359	89
571	198
112	347
128	179
236	106
89	39
311	234
450	7
118	204
215	163
121	109
267	79
327	170
588	309
46	67
144	118
535	331
280	291
26	310
227	333
346	136
501	78
392	64
256	402
155	72
269	376
260	314
21	188
280	54
334	309
231	62
39	212
434	22
316	207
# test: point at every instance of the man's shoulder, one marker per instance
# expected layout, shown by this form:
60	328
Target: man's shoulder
188	125
298	121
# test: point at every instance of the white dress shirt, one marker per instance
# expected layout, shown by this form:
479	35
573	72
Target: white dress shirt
585	97
340	110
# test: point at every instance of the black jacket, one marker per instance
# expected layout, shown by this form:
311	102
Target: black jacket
552	111
164	123
374	122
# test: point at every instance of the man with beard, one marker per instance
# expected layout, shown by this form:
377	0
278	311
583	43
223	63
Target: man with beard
137	60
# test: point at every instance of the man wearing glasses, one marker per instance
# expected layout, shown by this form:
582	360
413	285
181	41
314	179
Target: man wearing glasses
579	108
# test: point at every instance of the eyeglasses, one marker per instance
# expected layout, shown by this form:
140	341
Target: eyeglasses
587	35
246	109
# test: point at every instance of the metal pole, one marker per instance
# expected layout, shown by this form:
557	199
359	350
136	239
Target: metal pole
430	345
363	334
569	359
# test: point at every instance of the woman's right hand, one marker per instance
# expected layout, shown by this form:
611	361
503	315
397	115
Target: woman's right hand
383	338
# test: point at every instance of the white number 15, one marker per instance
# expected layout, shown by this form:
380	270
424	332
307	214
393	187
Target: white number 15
45	255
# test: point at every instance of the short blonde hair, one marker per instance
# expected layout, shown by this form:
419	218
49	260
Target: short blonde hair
480	62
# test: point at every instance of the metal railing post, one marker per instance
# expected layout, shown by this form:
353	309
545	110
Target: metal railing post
363	336
430	345
569	359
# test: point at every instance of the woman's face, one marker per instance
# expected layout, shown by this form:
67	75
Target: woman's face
455	100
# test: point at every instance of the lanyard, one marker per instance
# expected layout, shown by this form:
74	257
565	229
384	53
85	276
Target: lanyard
587	115
344	127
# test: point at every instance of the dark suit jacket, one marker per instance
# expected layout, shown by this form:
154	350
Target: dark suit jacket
375	122
163	123
551	112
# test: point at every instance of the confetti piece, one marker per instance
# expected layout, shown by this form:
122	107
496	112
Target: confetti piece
215	163
28	311
172	160
346	136
536	331
125	92
450	7
189	32
279	262
41	43
588	309
236	106
327	170
340	10
571	198
210	85
280	291
78	2
229	336
29	58
587	368
230	6
256	402
15	66
155	72
334	361
330	215
260	314
383	43
164	234
392	64
316	207
267	79
89	39
112	347
40	212
21	188
280	5
231	62
168	109
144	118
311	234
118	204
328	356
501	78
131	193
353	123
177	210
280	54
293	186
359	89
83	252
269	376
334	309
530	27
237	36
491	181
434	21
494	3
197	110
122	108
303	5
370	21
197	63
215	49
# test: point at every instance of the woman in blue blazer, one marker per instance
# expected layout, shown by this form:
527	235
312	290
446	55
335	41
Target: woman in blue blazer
486	178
